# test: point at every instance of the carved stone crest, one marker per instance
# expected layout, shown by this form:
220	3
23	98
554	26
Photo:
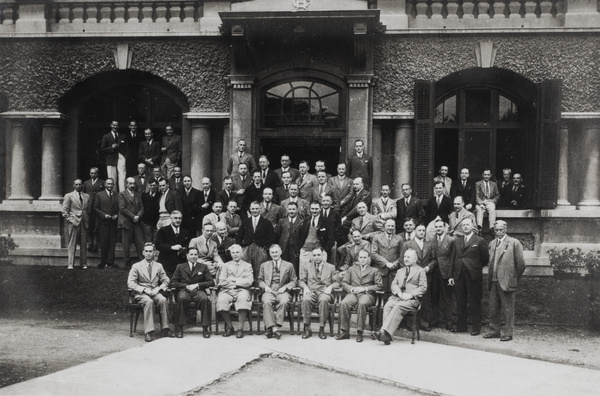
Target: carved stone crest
301	4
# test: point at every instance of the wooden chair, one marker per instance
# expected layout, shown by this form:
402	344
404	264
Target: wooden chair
374	312
298	307
414	314
290	311
135	309
255	307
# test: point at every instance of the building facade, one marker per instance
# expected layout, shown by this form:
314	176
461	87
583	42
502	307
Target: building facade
475	84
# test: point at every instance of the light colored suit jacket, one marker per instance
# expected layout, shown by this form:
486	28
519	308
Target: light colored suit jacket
368	224
416	283
307	185
456	218
213	219
239	275
235	161
208	253
140	279
506	262
480	195
384	210
341	188
303	208
384	250
309	278
315	196
74	210
287	275
233	222
272	215
369	278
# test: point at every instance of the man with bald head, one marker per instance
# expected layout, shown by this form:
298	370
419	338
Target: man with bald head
131	211
269	177
268	209
76	212
456	218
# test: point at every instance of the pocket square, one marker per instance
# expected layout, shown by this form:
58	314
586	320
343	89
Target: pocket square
473	245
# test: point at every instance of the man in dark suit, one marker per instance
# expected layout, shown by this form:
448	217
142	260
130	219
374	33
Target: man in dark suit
132	139
190	205
172	242
315	232
283	192
385	253
287	233
253	193
176	181
360	164
141	179
227	194
207	198
441	290
408	207
334	218
360	283
106	207
91	187
169	202
150	201
131	210
241	181
359	194
156	175
285	167
241	157
470	256
113	148
439	205
255	235
269	178
149	151
465	187
191	280
76	212
277	278
341	186
223	241
171	152
506	266
514	195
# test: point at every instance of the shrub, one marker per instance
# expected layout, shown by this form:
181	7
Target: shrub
566	260
592	262
7	244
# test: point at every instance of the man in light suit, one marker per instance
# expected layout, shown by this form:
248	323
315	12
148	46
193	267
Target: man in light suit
321	189
341	186
470	256
360	164
383	208
385	253
106	206
407	287
277	278
443	177
148	280
91	187
131	211
303	205
360	283
172	242
241	157
215	216
317	280
506	266
76	212
287	233
408	207
285	167
191	281
208	251
113	148
171	152
364	222
441	289
268	209
456	218
305	181
149	151
487	196
268	176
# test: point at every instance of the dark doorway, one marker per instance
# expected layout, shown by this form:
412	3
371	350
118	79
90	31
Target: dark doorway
310	149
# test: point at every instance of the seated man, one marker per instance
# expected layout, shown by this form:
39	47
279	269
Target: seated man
276	277
360	282
208	251
191	279
235	279
408	286
317	279
148	279
517	193
486	196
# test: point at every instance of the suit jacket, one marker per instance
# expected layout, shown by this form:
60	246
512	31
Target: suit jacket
444	254
104	205
456	218
353	199
213	219
303	208
309	279
432	210
238	184
272	215
334	218
172	201
416	283
370	279
287	233
251	194
76	211
190	206
426	257
133	145
173	146
224	199
208	252
507	195
293	171
340	189
263	236
151	208
467	192
481	196
223	247
174	185
139	186
368	224
165	238
233	223
280	194
325	233
352	251
506	263
473	256
129	207
287	275
234	161
447	184
272	180
212	197
360	167
306	186
385	250
149	152
388	209
183	276
413	210
315	196
110	154
238	276
94	189
140	279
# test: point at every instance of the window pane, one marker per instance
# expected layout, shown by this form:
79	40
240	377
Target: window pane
512	151
446	111
507	110
477	151
478	106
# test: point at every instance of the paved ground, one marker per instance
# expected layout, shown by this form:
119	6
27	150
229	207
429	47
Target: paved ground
175	366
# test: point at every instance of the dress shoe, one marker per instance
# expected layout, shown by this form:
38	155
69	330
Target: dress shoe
229	332
205	332
322	333
343	336
84	267
505	338
475	332
306	334
148	337
376	336
276	335
269	333
359	337
179	334
385	338
167	333
69	267
239	334
491	335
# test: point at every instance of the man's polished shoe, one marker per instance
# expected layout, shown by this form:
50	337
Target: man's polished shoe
345	335
269	333
179	334
239	334
148	337
322	334
385	338
229	332
506	338
306	334
475	332
376	336
359	337
276	335
491	335
205	332
167	333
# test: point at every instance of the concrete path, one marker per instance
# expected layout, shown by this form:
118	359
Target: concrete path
174	366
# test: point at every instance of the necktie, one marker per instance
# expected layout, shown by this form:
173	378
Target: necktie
498	243
254	223
207	245
406	202
360	223
403	288
276	266
176	231
286	187
439	202
319	270
314	222
515	189
241	155
80	199
268	207
301	180
464	183
321	189
110	194
264	176
150	269
487	190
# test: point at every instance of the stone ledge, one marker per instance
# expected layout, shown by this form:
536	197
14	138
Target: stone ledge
30	206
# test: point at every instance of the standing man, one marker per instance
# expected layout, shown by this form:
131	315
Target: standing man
408	207
360	282
148	281
215	216
465	187
114	149
360	164
457	217
208	251
150	202
190	206
191	280
303	205
208	196
241	157
321	189
227	194
487	196
384	207
443	177
172	242
176	181
131	210
268	209
255	235
385	253
506	266
168	203
149	151
320	166
438	207
141	179
283	192
223	241
233	220
341	186
133	140
441	289
470	256
350	251
76	212
315	232
364	222
269	178
253	193
276	277
241	181
285	167
171	152
351	201
305	181
287	231
91	187
106	206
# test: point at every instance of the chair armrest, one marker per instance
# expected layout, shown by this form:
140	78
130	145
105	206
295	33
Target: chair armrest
379	297
337	295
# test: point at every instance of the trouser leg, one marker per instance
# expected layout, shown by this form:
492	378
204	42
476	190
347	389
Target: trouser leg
72	243
148	308
283	301
324	301
347	304
126	234
83	233
364	302
268	299
163	307
508	302
461	301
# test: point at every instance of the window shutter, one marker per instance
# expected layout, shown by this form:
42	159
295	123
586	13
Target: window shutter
423	158
549	100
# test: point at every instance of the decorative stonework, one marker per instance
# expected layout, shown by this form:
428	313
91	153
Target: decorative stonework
123	56
486	54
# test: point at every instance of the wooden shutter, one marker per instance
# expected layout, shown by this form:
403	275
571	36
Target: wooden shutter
549	100
423	156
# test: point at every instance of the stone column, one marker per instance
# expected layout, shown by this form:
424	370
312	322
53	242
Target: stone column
403	156
377	159
241	112
226	147
563	166
52	170
591	157
359	116
200	153
21	169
